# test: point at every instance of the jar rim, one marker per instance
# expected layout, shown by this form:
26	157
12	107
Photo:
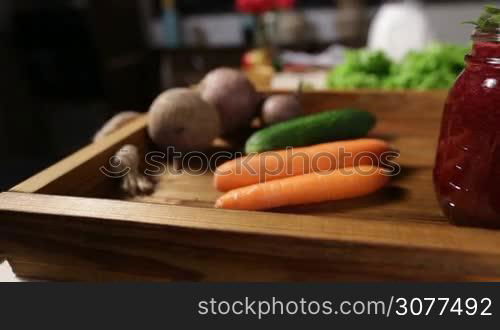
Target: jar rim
490	35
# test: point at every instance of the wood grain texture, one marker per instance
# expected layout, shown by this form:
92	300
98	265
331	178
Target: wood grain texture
78	174
184	243
176	234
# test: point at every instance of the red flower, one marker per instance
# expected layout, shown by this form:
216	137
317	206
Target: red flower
285	4
255	6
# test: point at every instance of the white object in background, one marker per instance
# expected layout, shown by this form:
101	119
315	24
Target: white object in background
292	80
399	28
331	56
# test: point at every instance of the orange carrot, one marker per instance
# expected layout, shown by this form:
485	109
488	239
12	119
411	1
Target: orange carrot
305	189
273	165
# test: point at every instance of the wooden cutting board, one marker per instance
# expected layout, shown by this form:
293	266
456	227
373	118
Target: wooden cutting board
71	223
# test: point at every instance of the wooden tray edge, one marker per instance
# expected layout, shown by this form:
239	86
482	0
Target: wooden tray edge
104	148
36	226
343	229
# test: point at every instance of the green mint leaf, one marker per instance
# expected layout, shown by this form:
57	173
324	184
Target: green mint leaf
492	9
489	19
482	21
495	19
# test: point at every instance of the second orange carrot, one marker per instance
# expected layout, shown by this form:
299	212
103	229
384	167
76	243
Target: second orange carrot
306	189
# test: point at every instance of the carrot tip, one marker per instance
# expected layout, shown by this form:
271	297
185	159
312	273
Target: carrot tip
394	149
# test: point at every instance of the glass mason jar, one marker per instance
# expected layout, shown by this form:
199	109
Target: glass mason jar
467	171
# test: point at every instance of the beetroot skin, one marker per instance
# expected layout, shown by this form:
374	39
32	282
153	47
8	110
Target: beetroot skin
234	97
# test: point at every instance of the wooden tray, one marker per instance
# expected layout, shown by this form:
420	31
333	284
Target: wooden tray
70	223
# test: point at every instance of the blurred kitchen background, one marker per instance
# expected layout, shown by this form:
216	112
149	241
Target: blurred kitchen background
68	65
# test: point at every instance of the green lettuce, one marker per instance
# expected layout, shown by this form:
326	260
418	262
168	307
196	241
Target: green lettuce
436	67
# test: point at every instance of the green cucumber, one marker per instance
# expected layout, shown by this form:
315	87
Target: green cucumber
322	127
